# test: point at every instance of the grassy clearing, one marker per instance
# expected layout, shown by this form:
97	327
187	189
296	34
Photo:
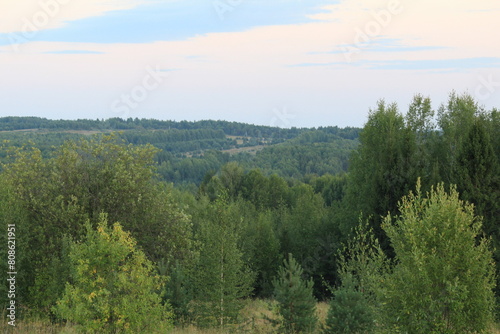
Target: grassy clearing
248	149
254	320
34	326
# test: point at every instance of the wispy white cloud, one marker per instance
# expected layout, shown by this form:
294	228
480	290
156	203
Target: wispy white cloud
72	52
245	73
19	16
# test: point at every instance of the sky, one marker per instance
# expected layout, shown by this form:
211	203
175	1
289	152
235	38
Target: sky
286	63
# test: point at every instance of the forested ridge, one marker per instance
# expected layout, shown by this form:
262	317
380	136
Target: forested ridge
189	150
116	124
150	226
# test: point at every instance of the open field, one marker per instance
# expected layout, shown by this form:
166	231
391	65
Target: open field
249	149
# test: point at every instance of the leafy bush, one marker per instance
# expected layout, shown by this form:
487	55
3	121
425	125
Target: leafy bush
444	276
113	286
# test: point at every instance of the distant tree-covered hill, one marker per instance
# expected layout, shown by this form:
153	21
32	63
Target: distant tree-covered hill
189	150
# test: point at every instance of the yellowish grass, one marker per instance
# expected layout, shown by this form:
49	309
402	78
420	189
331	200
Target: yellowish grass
32	327
194	330
322	312
254	320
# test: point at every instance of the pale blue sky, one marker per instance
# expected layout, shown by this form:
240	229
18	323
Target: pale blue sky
275	62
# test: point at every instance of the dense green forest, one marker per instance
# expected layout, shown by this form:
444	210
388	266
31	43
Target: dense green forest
189	150
145	225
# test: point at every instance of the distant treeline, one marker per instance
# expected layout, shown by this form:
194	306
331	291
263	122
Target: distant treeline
229	128
190	150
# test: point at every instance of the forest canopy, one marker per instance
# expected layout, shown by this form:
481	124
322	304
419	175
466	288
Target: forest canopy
211	214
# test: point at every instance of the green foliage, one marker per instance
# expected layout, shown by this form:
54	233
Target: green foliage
42	224
220	277
177	291
382	169
455	120
301	227
11	213
297	304
456	117
230	177
255	188
79	182
420	116
235	213
105	175
350	312
363	267
477	176
443	278
493	122
113	286
314	152
261	249
191	149
331	187
427	156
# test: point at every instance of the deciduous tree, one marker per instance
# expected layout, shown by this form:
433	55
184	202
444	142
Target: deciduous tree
113	287
444	274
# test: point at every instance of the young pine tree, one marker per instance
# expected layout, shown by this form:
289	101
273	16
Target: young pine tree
350	311
176	290
362	267
297	305
220	276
